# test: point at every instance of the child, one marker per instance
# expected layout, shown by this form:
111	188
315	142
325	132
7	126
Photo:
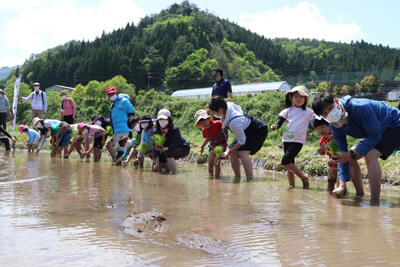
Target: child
5	140
175	146
294	135
146	127
129	150
98	147
89	132
32	134
77	140
213	134
324	130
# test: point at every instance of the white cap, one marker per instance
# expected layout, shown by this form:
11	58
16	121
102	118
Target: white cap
163	114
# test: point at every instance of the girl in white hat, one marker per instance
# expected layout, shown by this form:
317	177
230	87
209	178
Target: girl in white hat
297	117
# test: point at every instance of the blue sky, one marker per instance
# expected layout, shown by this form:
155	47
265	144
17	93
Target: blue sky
32	26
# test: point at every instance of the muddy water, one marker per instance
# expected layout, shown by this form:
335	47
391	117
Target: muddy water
56	212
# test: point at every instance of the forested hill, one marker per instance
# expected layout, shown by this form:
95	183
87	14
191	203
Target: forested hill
178	47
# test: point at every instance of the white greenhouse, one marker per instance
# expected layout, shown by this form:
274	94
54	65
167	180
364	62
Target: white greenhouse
237	90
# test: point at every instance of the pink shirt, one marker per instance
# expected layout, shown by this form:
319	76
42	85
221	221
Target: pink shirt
297	120
93	129
68	107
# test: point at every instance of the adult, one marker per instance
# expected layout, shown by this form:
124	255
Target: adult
375	123
39	101
222	87
121	109
4	109
4	140
45	127
175	146
68	109
250	134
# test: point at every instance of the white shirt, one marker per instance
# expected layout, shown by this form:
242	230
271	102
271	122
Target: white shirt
297	120
37	102
236	125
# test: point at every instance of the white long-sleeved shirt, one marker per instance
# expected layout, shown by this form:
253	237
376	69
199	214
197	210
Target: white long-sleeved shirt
237	125
37	102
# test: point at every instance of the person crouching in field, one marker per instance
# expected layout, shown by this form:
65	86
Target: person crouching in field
172	145
297	117
215	135
33	137
90	132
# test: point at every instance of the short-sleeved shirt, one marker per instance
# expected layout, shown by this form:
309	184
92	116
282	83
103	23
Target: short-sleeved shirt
95	130
325	141
33	136
216	134
221	88
297	120
55	129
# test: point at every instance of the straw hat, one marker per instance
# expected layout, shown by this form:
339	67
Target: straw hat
301	90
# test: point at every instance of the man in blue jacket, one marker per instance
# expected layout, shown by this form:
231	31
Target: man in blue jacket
376	124
121	110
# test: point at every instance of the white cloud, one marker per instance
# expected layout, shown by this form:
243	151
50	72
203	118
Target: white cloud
11	61
302	21
43	24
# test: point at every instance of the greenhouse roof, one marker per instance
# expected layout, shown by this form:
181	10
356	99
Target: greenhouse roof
248	87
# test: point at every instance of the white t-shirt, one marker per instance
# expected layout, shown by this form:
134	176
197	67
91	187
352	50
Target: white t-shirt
236	125
297	120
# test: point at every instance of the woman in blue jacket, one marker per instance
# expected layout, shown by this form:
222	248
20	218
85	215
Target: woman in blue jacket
121	109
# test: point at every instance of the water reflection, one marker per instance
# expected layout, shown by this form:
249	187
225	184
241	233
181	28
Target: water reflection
74	216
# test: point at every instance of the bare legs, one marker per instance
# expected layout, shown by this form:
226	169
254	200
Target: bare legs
244	157
293	170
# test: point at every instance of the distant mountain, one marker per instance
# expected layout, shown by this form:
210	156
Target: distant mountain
4	71
178	47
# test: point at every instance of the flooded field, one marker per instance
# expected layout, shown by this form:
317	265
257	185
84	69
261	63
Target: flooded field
56	212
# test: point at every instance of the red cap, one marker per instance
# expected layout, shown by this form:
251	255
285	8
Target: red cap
111	90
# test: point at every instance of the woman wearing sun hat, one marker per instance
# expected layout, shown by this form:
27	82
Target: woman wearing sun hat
175	146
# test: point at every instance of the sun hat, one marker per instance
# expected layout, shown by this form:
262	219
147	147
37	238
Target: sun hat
163	114
35	121
80	127
63	124
201	115
22	127
302	90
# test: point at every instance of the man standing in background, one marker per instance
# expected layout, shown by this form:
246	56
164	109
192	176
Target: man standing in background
222	87
39	101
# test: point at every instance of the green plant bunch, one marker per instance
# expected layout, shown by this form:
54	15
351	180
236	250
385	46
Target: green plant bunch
333	147
218	150
145	148
159	140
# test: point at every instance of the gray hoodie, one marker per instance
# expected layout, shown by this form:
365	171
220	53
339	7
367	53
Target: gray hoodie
4	104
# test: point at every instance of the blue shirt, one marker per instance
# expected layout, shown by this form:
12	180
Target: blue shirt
221	88
367	119
120	110
32	136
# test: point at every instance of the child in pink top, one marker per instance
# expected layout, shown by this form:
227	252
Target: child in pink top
297	117
89	132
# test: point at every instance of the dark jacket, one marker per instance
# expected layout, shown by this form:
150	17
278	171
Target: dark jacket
173	138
